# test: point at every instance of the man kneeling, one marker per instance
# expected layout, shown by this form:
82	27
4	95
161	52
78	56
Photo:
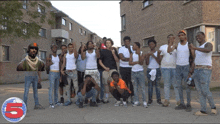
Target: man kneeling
88	89
118	89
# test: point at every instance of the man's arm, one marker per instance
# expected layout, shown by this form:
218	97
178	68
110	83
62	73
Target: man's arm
97	51
111	89
131	60
160	57
121	56
39	77
208	48
103	66
147	57
74	50
121	91
114	55
170	48
96	85
64	63
83	90
20	66
156	58
83	52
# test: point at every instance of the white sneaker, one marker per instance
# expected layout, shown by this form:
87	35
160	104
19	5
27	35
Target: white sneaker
125	104
118	103
136	104
145	104
51	106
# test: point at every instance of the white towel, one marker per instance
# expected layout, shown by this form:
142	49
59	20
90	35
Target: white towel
153	73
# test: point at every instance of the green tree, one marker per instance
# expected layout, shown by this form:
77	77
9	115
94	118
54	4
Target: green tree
12	13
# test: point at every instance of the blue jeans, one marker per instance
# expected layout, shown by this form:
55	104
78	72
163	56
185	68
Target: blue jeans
101	86
92	93
28	81
182	74
54	78
169	78
155	82
138	79
202	79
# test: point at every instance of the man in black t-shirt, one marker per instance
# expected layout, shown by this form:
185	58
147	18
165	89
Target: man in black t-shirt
88	89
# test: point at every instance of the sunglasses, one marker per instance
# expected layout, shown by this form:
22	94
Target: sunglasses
34	48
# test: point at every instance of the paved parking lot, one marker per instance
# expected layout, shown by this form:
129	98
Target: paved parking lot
106	113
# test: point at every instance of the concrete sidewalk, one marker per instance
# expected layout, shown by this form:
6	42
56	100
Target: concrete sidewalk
106	113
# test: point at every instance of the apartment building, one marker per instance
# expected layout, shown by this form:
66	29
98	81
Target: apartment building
152	19
65	30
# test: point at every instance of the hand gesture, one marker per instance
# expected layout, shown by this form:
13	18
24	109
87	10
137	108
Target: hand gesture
93	80
62	72
107	69
113	51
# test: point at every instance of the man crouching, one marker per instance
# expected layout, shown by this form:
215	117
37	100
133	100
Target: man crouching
88	89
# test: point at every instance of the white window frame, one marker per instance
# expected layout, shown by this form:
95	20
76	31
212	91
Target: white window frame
147	3
63	21
42	29
39	54
71	40
3	52
85	32
24	6
70	26
40	9
123	22
145	41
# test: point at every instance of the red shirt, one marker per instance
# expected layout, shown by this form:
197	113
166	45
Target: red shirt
103	46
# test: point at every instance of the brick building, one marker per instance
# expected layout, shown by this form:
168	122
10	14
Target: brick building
146	19
65	30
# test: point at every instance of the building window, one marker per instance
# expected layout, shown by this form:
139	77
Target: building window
145	42
147	3
42	32
42	55
211	37
24	30
4	24
70	26
71	40
63	21
84	32
5	53
25	4
123	23
41	9
64	41
81	31
191	35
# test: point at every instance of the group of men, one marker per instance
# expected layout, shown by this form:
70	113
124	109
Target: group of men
92	72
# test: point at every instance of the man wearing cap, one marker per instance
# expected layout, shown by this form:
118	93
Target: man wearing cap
32	65
182	69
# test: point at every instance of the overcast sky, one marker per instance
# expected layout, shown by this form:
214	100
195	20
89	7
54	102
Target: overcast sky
101	17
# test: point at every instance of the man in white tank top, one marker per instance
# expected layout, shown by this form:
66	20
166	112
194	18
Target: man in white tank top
69	61
137	74
168	70
182	69
202	74
153	72
54	76
91	55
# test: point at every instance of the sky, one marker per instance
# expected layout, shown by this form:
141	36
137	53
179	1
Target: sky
100	17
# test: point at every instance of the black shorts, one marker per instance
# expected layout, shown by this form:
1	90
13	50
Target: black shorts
64	81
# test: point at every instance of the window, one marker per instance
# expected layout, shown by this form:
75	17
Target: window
25	4
70	26
81	31
42	55
41	9
24	30
71	40
42	32
5	53
4	24
147	3
211	37
85	32
123	23
191	35
63	21
145	43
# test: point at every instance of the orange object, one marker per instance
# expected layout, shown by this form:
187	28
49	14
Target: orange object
35	44
121	84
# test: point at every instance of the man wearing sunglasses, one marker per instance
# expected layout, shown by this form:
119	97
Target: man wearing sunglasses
32	65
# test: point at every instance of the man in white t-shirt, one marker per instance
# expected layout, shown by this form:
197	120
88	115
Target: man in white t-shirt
182	69
125	68
168	70
91	55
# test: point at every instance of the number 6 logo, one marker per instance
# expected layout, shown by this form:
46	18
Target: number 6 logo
13	109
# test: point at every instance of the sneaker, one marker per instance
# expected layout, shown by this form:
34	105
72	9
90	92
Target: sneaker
199	113
98	101
188	108
214	112
180	107
93	104
159	102
51	106
118	103
81	105
149	102
166	103
177	103
145	104
67	103
125	104
86	101
136	104
62	100
105	101
38	107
